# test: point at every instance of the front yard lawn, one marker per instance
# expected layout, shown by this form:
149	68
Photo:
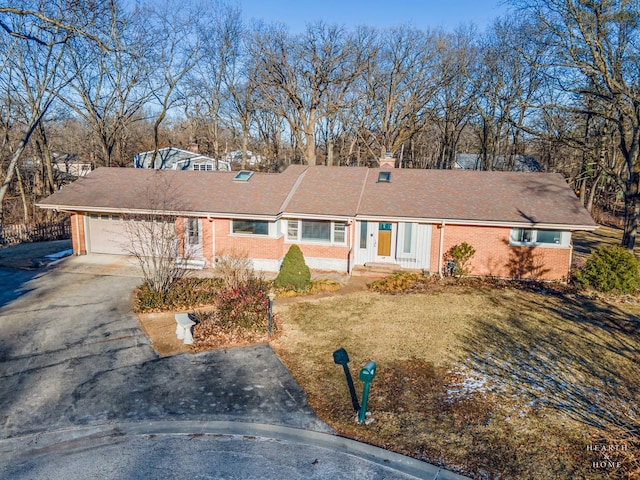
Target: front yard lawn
489	382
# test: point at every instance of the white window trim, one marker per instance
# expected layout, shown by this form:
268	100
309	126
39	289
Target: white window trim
564	239
401	234
331	241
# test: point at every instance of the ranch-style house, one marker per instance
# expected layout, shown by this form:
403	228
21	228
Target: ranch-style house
520	223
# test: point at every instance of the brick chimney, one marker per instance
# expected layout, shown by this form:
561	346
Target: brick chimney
193	147
388	161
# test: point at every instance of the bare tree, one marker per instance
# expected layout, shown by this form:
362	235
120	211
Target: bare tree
156	237
215	77
306	77
174	28
107	89
594	52
36	36
30	79
509	83
400	81
454	103
35	20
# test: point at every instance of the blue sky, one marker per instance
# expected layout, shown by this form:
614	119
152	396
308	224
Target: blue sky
447	14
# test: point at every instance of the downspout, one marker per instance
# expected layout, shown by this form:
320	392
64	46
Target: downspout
352	227
440	249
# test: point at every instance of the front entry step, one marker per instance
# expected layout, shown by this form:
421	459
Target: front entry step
375	269
382	266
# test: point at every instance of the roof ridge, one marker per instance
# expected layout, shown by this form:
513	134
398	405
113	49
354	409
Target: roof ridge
364	184
293	189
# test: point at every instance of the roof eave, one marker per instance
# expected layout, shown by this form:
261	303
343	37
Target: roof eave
483	223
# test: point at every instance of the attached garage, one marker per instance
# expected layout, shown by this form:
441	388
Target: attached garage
108	234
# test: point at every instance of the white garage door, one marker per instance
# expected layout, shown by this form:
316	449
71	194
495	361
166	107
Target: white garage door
108	234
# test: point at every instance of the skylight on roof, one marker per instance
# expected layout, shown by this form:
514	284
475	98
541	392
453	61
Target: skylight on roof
384	177
243	175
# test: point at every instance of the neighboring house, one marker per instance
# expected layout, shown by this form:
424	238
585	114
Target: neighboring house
70	165
515	163
236	157
520	224
172	158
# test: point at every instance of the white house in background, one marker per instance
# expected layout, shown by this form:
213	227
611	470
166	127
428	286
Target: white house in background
512	163
70	165
172	158
236	157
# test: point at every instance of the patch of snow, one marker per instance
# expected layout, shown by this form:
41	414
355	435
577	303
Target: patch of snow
467	383
59	255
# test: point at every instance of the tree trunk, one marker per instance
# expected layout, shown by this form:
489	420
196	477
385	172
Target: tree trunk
310	148
23	196
631	211
245	141
46	155
594	190
11	168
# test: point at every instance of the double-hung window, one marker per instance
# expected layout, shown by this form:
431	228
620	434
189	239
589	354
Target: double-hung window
317	231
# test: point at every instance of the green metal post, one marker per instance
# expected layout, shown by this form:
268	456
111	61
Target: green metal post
365	398
367	374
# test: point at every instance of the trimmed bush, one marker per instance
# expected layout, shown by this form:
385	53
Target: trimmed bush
459	256
294	272
611	269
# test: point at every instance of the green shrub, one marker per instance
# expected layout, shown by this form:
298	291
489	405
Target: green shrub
294	272
611	269
184	294
457	259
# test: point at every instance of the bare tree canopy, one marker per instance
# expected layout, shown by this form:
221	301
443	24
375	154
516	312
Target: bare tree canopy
553	86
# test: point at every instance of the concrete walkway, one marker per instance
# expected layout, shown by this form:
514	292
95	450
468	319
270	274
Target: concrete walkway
85	396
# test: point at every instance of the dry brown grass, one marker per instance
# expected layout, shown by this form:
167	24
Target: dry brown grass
586	242
555	373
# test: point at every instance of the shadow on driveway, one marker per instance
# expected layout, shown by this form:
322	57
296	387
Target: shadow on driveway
72	353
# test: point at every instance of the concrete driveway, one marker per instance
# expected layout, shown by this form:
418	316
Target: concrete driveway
71	352
84	396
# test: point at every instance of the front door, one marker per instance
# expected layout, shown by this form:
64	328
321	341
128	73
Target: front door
384	242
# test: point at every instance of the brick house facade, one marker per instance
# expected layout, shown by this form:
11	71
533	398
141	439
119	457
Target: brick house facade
520	224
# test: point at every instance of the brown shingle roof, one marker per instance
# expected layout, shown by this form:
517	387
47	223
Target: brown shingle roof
330	191
181	191
463	196
502	197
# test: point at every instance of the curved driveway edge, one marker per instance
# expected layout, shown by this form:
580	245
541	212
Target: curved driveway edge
216	449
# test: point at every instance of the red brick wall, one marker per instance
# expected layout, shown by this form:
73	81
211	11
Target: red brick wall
256	246
323	251
267	248
207	240
78	234
494	256
180	234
